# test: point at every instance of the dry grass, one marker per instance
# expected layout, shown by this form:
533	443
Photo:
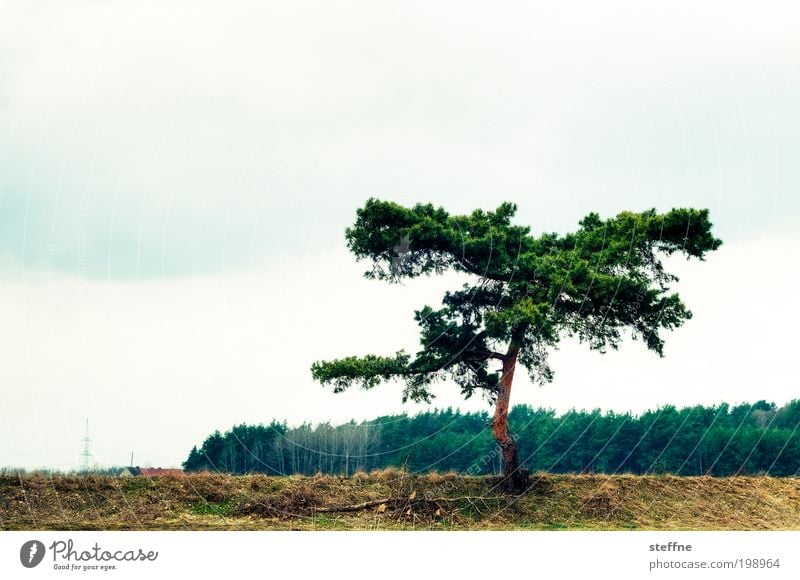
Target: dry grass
393	499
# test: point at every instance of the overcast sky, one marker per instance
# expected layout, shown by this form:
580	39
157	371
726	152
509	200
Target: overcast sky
175	182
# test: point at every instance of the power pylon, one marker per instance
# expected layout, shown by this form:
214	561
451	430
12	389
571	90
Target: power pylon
86	454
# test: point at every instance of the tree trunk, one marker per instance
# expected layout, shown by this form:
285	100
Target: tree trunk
515	478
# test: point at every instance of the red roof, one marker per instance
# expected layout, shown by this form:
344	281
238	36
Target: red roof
151	471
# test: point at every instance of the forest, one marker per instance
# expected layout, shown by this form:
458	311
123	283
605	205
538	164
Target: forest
721	440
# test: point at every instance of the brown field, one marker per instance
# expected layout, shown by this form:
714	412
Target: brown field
392	499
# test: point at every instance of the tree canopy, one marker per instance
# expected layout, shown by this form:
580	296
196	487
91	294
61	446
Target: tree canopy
529	291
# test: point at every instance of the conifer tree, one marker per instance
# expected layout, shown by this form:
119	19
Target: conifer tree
599	283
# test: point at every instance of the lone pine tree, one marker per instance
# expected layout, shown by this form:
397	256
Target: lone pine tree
527	293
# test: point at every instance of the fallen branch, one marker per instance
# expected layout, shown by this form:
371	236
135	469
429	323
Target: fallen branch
399	500
358	506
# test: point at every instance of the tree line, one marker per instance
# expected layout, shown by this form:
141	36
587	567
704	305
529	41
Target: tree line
721	440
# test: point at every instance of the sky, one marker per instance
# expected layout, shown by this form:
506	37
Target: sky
175	182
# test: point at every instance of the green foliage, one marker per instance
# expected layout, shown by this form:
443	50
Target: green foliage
206	508
717	440
596	284
243	449
368	370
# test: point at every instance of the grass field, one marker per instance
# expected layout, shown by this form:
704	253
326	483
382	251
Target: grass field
392	499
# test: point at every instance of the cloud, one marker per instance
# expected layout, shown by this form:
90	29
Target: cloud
175	182
159	142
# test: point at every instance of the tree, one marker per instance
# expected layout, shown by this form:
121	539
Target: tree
527	293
